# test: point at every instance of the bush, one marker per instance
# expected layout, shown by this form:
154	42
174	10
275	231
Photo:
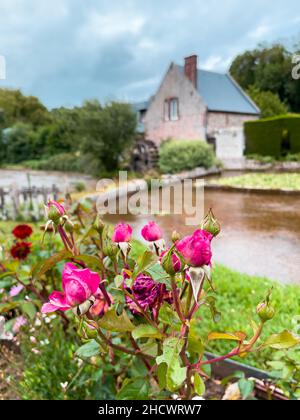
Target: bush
179	155
277	136
68	162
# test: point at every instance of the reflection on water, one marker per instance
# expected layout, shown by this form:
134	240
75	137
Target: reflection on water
260	234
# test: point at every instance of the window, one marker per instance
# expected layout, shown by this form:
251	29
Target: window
174	109
171	112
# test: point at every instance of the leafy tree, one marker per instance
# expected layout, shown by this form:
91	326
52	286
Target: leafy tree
107	132
20	143
269	69
268	102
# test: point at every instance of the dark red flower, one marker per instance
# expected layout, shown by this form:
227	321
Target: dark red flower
22	231
148	293
21	250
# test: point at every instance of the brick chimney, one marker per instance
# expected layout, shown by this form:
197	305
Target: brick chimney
190	69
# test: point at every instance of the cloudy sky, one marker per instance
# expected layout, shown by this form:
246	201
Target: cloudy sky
65	51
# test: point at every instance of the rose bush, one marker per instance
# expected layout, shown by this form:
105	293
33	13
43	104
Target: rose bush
137	307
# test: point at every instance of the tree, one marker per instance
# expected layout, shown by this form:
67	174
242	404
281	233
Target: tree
268	102
107	132
269	69
20	143
16	108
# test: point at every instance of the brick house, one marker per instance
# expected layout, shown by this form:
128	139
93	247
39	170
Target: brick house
191	103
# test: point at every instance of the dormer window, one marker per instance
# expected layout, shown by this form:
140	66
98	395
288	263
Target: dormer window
171	109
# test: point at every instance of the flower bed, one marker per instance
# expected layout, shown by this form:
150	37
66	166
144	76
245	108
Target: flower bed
145	314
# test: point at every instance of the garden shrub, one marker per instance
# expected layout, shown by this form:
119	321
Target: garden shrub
68	162
277	136
179	155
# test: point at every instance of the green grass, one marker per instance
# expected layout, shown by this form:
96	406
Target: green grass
287	181
238	296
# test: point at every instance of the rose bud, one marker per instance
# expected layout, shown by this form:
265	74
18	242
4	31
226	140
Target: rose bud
211	224
265	311
99	225
196	249
55	211
171	262
122	235
110	249
175	236
151	232
79	288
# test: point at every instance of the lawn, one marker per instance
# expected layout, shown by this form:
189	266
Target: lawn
286	181
238	295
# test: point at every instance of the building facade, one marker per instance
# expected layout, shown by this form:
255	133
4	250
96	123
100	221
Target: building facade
191	103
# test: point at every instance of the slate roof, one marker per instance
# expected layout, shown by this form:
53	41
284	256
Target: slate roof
222	94
219	92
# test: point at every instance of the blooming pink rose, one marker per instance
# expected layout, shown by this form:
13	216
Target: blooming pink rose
78	286
175	261
196	249
122	233
151	232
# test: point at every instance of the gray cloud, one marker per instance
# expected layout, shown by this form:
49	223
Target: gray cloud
65	51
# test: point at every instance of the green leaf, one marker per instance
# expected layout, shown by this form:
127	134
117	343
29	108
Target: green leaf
145	331
150	348
284	340
199	385
238	336
175	374
143	262
168	316
6	307
29	309
114	323
7	274
90	349
158	274
46	265
134	389
246	387
119	281
137	249
94	263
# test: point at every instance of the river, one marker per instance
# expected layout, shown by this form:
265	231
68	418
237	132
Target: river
260	233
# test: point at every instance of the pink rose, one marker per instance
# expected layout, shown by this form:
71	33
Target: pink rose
151	232
196	249
122	233
78	286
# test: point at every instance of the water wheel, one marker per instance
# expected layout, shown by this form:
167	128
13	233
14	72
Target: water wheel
144	156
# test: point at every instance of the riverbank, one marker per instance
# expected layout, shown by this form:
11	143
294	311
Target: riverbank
264	182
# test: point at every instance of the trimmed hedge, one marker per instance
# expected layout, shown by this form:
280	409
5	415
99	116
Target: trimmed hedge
180	155
274	136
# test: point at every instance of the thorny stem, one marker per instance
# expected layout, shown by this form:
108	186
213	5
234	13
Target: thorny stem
235	352
109	342
176	301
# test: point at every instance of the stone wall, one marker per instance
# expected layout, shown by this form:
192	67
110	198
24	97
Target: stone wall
192	111
221	120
